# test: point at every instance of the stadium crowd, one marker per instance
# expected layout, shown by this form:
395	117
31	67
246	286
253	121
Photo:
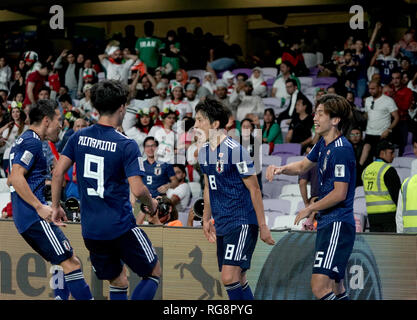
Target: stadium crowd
168	77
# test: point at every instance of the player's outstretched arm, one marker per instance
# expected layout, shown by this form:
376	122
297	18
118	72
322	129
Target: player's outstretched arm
338	194
208	228
142	193
62	166
292	169
252	184
19	183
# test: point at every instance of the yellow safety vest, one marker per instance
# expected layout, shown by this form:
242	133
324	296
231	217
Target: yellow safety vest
378	199
409	198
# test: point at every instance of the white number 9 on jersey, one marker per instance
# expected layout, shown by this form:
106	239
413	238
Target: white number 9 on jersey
97	175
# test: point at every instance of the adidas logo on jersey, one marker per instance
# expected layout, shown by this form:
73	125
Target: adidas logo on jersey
335	269
244	258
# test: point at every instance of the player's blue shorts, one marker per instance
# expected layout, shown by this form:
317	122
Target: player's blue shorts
236	247
334	244
49	241
132	248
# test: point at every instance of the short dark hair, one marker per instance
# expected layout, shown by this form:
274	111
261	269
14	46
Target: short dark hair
214	111
149	28
244	75
337	106
292	81
65	98
41	109
150	138
180	166
45	88
108	95
196	79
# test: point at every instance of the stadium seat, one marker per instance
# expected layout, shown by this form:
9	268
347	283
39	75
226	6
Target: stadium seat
314	71
199	73
281	206
359	206
294	159
272	102
269	73
268	160
294	201
183	217
402	162
286	222
272	190
359	192
320	57
408	151
324	81
265	149
195	189
289	148
403	173
247	71
306	82
410	138
310	59
414	167
358	102
293	189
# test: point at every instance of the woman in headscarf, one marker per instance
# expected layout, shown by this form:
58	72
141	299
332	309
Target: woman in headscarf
260	88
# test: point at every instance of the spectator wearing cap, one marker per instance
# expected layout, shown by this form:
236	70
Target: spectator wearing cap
34	83
85	103
248	103
221	95
379	109
178	102
117	66
88	76
279	90
5	74
403	98
382	184
142	127
260	88
191	96
209	82
229	78
161	97
69	71
31	63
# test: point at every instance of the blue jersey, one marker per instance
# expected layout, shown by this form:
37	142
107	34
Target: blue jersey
335	163
105	158
27	151
230	200
157	174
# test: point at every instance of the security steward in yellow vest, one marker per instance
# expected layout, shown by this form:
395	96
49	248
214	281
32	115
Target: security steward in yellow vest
381	184
407	206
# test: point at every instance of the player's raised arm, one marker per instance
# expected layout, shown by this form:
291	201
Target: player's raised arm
291	169
208	228
142	193
252	184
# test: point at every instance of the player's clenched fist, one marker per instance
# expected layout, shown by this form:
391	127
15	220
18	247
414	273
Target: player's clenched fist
209	231
271	171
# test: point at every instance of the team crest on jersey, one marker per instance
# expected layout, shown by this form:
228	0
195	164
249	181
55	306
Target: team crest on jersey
324	164
157	171
339	170
220	166
66	245
242	167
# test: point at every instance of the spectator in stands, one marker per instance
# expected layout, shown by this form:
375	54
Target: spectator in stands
69	120
209	82
117	66
271	131
161	97
260	88
279	89
248	103
178	102
311	176
89	76
31	63
18	85
349	72
85	105
202	92
385	63
148	47
407	47
170	219
70	70
34	82
379	109
382	184
293	55
229	79
403	98
129	41
300	127
142	127
407	68
355	138
181	76
165	135
12	131
412	112
191	96
169	50
358	117
5	74
181	195
295	95
44	93
147	86
221	95
362	56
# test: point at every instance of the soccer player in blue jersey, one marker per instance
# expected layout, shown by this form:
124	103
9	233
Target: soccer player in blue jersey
160	176
108	164
336	166
31	214
232	196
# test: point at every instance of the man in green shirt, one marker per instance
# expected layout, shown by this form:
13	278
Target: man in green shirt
148	48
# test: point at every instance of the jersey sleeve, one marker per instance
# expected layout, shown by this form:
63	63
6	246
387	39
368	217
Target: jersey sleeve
169	170
132	160
69	149
342	165
244	164
313	156
26	154
202	159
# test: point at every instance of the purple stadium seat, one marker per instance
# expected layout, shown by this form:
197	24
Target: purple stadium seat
314	71
293	149
324	81
358	102
402	162
242	70
272	190
268	160
270	82
410	138
408	151
277	205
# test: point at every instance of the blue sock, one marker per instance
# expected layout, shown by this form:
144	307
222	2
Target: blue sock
234	291
61	290
342	296
247	292
77	286
146	289
118	293
329	296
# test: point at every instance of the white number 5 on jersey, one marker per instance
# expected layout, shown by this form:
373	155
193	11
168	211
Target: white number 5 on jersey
97	175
